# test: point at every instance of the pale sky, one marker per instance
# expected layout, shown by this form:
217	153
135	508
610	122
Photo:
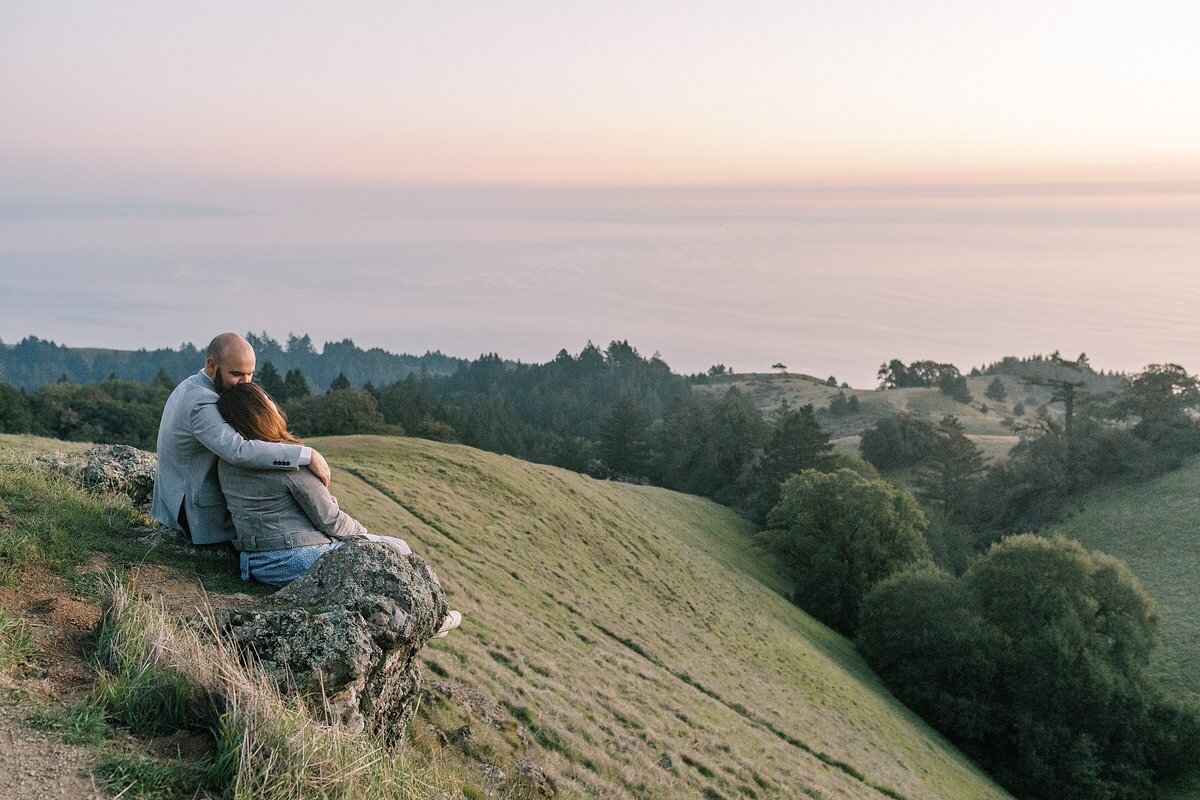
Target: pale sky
138	94
956	180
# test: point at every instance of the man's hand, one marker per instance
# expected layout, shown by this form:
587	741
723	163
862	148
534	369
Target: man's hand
319	467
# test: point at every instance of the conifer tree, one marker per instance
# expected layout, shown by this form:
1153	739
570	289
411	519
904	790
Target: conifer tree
270	380
623	439
951	473
796	443
294	385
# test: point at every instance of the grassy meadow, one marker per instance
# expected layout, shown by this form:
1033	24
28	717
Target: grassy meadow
1154	527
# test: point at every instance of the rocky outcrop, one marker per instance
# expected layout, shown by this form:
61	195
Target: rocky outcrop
111	468
346	635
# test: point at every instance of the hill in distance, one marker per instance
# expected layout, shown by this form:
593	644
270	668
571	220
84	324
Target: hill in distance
982	418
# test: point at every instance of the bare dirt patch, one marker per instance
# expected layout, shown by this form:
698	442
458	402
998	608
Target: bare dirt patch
38	765
65	626
182	594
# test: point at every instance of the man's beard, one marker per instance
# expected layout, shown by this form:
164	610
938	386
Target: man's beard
219	381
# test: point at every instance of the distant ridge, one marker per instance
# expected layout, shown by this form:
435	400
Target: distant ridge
33	362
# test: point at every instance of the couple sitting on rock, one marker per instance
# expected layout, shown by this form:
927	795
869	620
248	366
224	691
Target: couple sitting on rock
229	470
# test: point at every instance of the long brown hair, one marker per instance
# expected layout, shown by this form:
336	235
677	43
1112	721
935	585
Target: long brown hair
252	413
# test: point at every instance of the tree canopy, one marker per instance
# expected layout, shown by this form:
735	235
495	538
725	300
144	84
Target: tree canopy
838	534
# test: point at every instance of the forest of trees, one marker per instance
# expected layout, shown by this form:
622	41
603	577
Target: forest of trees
34	362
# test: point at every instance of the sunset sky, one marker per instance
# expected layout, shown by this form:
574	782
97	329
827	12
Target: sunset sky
620	92
827	184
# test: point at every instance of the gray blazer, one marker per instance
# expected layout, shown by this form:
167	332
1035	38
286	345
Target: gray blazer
191	437
274	510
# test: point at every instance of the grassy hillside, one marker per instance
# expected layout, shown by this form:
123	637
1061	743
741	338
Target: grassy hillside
638	635
1155	529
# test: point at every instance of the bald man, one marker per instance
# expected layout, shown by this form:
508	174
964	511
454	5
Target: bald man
193	436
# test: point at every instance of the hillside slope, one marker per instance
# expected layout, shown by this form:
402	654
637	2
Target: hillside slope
1154	527
637	635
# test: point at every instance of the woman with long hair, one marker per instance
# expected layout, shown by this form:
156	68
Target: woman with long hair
285	520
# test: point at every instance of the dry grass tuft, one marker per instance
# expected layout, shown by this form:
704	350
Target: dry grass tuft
163	675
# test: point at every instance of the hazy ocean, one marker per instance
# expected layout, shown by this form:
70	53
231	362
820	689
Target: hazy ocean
828	281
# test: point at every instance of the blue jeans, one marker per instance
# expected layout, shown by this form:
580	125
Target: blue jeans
281	567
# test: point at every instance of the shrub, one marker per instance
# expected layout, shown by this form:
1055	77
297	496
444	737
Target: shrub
898	441
338	412
838	534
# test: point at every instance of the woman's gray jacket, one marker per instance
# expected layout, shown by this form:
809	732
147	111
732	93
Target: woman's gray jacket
274	510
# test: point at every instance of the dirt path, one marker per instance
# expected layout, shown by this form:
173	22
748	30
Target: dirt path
36	765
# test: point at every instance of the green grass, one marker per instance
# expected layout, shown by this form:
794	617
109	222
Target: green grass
142	777
80	723
623	624
18	646
1154	527
46	520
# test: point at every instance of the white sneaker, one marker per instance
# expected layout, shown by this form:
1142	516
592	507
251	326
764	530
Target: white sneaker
452	621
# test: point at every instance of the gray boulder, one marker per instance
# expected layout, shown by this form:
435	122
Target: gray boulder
345	635
110	468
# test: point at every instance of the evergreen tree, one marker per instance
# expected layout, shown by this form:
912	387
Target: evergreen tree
623	440
683	455
272	383
737	432
797	442
840	405
954	385
838	534
300	345
900	440
345	411
951	474
591	359
294	385
340	383
996	390
1035	663
16	416
1162	399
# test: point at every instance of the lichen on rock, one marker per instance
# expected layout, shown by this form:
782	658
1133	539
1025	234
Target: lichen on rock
115	468
346	634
